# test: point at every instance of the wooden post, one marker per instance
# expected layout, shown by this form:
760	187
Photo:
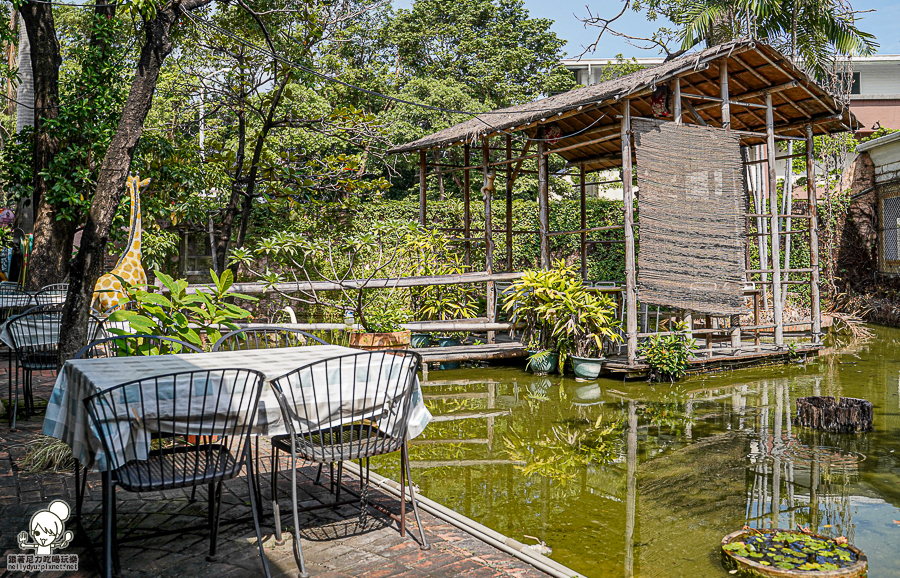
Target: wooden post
467	216
676	112
815	312
583	225
509	204
628	193
423	188
723	92
773	227
543	201
488	236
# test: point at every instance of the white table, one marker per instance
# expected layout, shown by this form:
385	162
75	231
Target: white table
67	419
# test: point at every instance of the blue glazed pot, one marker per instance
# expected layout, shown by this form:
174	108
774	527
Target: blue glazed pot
449	342
420	340
587	368
544	364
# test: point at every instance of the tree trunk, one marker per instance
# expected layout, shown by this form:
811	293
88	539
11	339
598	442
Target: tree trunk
52	237
24	94
88	263
11	61
231	210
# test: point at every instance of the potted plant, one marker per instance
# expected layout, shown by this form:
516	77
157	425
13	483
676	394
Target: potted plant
561	318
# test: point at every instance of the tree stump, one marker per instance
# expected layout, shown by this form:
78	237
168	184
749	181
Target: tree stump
839	416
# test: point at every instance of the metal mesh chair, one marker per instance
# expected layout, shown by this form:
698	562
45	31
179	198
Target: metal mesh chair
35	341
350	407
268	337
134	345
176	431
14	301
55	293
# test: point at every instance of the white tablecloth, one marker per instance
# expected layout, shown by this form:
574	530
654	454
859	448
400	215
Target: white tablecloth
67	418
43	333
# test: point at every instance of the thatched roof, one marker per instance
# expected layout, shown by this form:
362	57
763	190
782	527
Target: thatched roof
584	112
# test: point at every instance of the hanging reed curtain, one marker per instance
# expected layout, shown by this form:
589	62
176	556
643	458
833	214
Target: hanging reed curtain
692	202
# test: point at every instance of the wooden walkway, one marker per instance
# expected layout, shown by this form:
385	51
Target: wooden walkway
508	350
768	354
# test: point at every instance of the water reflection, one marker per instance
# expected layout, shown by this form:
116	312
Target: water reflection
625	479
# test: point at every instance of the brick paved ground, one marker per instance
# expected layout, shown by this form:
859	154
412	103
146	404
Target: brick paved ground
334	545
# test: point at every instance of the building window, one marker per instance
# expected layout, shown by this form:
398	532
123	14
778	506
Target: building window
197	254
854	88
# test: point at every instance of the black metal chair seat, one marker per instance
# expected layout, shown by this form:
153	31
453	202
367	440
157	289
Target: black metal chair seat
338	444
178	467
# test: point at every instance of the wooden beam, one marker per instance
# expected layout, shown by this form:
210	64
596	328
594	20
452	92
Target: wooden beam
584	144
424	281
802	86
509	205
488	228
676	114
628	197
773	223
583	225
723	89
813	211
423	188
697	118
467	216
543	203
521	160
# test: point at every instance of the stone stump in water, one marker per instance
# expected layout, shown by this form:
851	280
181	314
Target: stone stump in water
845	415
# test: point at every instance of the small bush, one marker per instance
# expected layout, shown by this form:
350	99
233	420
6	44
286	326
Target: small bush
668	355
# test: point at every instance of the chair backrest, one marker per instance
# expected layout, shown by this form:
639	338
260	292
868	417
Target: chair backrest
351	406
134	345
35	336
268	337
14	301
176	430
55	293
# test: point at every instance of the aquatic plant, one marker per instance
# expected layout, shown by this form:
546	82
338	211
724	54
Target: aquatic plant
794	551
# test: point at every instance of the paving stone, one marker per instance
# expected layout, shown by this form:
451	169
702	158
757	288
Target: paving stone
333	546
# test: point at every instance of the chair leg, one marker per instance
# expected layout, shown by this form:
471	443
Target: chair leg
15	407
117	566
298	548
108	525
412	497
257	471
402	491
337	491
214	510
319	474
276	511
255	509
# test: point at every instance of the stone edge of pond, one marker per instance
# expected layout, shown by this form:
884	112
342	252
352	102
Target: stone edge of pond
476	530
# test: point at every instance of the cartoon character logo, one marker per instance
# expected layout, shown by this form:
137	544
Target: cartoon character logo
48	530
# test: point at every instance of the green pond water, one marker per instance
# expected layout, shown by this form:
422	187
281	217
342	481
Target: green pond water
622	478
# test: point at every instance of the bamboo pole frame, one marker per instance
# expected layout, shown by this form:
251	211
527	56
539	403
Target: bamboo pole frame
467	215
777	306
543	202
815	311
488	238
628	194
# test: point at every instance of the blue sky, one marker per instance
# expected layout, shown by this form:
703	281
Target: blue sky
884	24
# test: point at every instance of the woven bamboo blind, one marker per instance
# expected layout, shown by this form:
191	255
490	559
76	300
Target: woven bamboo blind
692	201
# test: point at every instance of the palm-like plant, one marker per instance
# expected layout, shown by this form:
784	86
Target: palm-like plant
814	30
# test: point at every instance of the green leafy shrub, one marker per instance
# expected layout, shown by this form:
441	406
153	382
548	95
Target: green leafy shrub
197	318
668	355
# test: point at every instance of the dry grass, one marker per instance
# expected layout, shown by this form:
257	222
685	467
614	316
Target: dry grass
44	454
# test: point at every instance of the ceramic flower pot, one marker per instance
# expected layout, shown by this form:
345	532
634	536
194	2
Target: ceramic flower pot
587	368
543	364
420	340
449	342
380	341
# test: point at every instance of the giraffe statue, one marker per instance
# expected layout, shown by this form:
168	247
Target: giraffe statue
108	291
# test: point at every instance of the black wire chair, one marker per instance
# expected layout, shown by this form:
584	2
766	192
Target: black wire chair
35	343
267	337
350	407
176	431
14	301
135	345
50	294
